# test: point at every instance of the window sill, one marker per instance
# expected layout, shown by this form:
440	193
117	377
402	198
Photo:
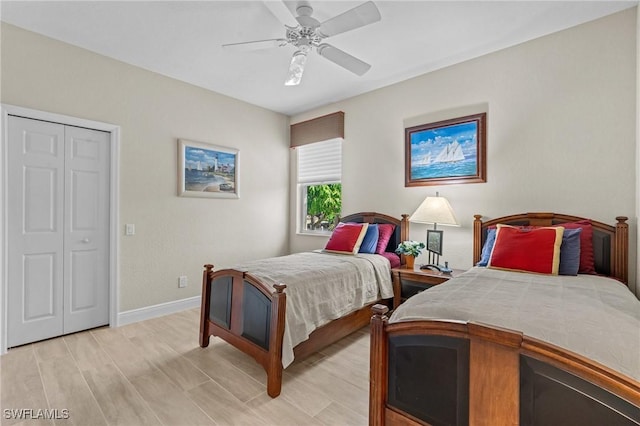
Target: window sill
314	234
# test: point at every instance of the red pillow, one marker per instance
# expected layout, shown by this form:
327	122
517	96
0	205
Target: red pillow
587	264
385	231
346	238
534	250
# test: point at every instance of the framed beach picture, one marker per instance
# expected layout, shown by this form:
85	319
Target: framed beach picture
206	170
446	152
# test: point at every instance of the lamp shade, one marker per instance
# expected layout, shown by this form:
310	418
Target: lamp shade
435	210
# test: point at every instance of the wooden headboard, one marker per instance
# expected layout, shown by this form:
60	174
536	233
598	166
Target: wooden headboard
610	243
400	234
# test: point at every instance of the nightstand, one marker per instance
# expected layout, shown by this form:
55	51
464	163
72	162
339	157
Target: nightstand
410	281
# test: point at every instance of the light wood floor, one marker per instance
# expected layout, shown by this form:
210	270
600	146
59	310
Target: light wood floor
154	373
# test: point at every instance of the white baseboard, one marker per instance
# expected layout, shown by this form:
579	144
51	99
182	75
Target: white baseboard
148	312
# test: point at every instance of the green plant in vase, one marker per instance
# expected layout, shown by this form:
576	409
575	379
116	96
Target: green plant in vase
410	250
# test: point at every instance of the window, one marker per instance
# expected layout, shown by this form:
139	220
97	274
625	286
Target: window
319	186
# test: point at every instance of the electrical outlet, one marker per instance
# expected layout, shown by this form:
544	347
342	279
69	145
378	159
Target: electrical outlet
182	281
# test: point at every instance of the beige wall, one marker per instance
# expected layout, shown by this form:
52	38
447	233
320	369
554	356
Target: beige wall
561	137
637	261
561	134
174	235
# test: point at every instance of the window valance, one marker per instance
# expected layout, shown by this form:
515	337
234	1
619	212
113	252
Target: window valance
319	129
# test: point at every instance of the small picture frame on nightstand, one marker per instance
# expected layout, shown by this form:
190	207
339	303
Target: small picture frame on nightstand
434	241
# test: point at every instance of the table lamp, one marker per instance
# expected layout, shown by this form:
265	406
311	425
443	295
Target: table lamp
438	211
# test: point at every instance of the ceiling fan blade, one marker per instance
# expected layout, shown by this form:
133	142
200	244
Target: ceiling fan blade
296	68
343	59
365	14
255	45
282	12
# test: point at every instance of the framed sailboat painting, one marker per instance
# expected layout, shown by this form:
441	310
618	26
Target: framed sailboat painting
446	152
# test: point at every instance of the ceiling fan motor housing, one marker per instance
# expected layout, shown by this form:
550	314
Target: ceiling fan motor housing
303	36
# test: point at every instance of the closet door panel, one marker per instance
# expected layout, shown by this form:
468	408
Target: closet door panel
86	277
39	287
35	232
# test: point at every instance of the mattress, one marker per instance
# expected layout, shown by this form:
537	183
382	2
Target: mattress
593	316
322	287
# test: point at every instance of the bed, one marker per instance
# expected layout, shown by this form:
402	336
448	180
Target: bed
289	307
494	346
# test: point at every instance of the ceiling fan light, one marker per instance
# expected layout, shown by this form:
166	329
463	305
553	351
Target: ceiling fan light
296	68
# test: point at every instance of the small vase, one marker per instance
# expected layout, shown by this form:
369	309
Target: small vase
409	260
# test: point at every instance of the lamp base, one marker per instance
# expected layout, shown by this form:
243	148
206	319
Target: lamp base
434	263
434	258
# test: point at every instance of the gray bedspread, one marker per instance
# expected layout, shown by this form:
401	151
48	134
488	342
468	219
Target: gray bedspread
592	316
322	287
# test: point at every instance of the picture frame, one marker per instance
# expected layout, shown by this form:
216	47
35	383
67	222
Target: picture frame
434	241
447	152
206	170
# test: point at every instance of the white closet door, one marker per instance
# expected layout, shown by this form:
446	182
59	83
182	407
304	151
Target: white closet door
58	230
86	247
35	213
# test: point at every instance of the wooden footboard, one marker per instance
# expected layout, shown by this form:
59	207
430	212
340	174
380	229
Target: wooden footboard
240	309
445	373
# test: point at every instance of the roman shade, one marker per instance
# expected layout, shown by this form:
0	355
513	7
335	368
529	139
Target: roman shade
320	162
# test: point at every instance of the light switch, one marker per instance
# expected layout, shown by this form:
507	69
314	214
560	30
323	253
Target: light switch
130	229
182	281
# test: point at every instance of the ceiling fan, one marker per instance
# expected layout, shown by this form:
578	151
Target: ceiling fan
304	32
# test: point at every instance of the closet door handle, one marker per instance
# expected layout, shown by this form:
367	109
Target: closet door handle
86	240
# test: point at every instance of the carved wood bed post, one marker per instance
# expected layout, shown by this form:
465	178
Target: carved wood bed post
404	228
377	376
477	242
404	236
621	261
274	370
204	305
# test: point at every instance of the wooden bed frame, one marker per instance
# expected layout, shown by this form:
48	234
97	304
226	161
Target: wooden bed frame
451	373
248	314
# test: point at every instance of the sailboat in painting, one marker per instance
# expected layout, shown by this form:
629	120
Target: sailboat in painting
426	160
450	153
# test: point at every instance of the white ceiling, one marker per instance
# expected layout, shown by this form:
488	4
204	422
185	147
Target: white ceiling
182	39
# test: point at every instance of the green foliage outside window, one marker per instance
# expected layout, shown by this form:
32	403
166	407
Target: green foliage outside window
324	204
